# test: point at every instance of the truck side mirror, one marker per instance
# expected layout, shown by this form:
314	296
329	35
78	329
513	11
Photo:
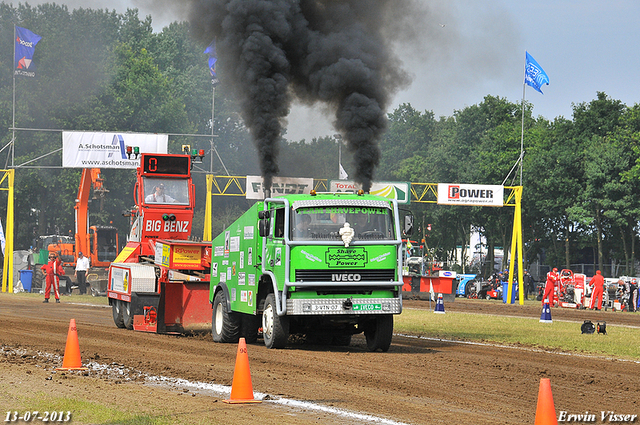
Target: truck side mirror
408	225
263	227
263	214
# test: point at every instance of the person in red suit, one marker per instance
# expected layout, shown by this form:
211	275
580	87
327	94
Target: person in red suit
549	287
597	283
52	269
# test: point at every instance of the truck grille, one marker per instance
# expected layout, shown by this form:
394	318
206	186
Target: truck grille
380	275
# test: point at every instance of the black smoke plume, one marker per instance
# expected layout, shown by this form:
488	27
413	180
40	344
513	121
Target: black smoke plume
333	51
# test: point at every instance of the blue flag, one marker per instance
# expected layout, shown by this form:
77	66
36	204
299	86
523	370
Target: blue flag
534	75
25	46
213	58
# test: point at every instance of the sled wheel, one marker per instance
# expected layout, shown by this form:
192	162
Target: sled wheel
379	333
116	310
275	329
127	315
225	326
467	289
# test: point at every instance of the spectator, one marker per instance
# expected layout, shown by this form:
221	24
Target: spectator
633	295
529	285
82	266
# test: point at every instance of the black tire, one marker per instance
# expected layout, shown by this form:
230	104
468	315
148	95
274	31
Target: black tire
467	289
127	315
250	326
379	333
225	326
116	310
38	279
275	329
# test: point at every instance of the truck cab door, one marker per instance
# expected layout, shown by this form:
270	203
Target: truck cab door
275	246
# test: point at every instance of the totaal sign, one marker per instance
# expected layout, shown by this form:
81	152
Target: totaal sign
400	191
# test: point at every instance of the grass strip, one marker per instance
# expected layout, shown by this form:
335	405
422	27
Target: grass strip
619	342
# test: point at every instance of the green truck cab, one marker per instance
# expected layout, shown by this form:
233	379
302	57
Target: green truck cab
326	265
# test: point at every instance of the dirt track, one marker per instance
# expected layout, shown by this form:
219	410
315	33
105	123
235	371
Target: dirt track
418	381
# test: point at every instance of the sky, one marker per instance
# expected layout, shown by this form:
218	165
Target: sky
464	50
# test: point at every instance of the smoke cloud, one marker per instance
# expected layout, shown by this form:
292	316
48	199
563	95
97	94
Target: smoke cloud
337	52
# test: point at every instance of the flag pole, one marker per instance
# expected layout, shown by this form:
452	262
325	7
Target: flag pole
213	102
524	86
13	116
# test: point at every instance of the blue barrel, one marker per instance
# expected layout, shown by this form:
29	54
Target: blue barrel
26	276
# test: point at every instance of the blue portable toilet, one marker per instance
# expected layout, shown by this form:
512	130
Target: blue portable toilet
26	277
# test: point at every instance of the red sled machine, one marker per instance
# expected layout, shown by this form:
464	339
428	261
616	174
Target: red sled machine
160	280
572	290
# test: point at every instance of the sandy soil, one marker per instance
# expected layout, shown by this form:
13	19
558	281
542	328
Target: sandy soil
418	381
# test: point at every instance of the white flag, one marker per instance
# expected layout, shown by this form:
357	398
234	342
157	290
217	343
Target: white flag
343	174
2	240
433	295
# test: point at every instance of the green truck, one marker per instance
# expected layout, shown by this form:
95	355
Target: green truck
324	265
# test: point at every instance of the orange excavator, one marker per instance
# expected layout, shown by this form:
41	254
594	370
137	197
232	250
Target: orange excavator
98	243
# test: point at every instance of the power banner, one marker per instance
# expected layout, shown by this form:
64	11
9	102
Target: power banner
82	149
279	186
470	194
400	191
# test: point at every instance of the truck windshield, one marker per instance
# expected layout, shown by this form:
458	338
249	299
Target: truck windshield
324	223
165	191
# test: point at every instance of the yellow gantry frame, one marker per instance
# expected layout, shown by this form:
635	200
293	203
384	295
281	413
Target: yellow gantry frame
420	192
6	183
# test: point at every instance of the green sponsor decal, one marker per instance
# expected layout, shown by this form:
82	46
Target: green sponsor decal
346	257
367	307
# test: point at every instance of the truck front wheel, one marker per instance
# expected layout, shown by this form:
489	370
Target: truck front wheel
379	333
275	329
225	326
116	310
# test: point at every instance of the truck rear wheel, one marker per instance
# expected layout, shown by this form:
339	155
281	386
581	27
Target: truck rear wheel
379	333
116	310
127	316
275	329
225	326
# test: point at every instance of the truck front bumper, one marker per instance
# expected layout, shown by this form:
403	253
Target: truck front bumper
354	306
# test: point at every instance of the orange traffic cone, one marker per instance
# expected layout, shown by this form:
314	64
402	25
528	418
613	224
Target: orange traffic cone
241	388
546	411
71	359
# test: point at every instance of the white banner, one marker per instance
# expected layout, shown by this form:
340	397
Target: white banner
279	186
83	149
470	194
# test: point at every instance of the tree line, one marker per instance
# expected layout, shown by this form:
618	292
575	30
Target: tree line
98	70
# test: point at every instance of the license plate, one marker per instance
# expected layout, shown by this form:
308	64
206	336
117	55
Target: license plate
325	307
367	307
